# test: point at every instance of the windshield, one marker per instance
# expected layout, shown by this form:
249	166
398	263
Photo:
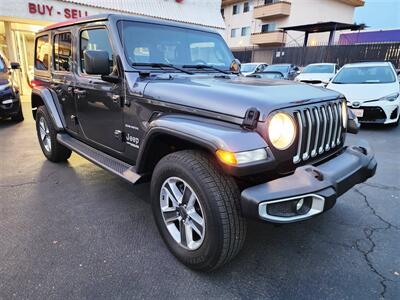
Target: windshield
319	69
147	43
361	75
279	68
272	75
248	67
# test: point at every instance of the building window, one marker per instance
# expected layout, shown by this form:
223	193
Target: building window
246	31
236	9
95	39
42	53
268	27
62	52
234	32
266	2
246	7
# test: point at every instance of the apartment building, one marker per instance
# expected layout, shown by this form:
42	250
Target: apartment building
259	22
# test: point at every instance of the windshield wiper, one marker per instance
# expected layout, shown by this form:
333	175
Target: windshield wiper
206	67
161	65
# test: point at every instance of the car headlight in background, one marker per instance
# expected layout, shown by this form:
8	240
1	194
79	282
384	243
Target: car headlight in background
391	97
344	114
281	131
4	87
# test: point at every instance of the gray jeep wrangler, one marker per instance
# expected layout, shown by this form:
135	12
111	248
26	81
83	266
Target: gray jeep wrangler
151	99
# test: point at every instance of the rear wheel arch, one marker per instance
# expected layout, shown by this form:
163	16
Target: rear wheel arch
42	96
36	102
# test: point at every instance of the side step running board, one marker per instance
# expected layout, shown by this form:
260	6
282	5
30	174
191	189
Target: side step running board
101	159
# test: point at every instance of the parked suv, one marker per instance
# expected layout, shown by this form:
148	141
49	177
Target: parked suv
10	103
145	98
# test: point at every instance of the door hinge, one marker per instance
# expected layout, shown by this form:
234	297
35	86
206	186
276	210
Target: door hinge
251	118
119	135
74	119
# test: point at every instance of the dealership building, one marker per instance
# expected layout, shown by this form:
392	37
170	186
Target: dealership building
20	19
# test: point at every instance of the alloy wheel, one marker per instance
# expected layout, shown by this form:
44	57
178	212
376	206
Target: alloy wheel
182	213
44	134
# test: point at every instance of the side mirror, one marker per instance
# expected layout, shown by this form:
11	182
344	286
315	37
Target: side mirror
353	126
15	66
235	66
96	62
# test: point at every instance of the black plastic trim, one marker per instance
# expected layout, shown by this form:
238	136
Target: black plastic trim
355	164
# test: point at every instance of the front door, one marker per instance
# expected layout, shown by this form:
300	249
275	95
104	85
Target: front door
100	114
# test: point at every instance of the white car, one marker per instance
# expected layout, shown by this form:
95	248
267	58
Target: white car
318	74
372	91
251	68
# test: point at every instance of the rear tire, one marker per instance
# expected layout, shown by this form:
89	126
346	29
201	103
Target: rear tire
19	117
47	136
217	209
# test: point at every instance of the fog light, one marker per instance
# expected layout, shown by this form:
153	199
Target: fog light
299	204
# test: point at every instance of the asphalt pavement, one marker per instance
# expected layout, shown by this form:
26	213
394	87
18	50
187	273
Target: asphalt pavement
73	230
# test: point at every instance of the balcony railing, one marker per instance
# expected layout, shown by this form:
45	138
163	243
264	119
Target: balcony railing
269	38
275	10
229	2
354	2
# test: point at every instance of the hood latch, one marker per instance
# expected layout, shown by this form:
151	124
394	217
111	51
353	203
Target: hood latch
251	118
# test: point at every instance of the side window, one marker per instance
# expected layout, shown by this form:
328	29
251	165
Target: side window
62	52
95	39
42	53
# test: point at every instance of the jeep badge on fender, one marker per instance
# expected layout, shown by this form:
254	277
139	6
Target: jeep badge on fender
219	148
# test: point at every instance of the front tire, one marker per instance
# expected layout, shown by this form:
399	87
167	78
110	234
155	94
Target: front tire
47	136
197	210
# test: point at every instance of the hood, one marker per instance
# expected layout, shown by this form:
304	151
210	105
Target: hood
364	92
324	77
234	95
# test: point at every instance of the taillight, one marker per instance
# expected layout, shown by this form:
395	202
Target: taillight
34	83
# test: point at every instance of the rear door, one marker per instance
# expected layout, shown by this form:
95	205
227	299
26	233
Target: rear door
99	109
63	79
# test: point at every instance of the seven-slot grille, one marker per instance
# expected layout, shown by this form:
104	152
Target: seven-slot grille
320	129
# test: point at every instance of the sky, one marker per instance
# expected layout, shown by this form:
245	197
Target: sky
379	14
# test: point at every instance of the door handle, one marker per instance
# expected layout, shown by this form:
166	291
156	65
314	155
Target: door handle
80	92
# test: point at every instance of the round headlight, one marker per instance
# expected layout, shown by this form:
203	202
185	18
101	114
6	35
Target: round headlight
344	114
281	131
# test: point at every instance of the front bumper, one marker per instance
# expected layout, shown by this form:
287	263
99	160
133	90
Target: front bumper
317	187
382	112
9	106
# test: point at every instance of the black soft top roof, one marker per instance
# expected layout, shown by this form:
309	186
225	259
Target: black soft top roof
117	17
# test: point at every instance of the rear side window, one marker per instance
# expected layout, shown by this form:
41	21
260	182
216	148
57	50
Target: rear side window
42	53
95	39
62	53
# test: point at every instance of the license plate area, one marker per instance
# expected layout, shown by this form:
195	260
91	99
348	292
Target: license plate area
358	112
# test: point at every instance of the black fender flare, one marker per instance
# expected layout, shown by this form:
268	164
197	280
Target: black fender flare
50	101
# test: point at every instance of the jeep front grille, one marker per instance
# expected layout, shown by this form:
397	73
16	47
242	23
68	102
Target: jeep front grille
320	129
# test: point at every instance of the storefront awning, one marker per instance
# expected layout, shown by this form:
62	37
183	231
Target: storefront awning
204	12
331	27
